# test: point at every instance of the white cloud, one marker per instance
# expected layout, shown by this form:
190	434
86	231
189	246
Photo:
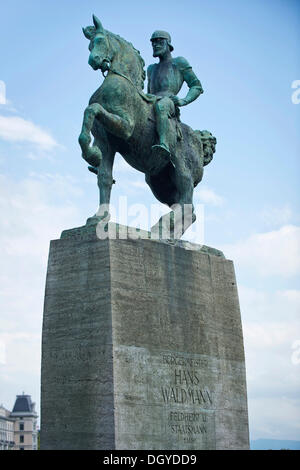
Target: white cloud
272	306
208	196
30	218
265	335
273	380
271	325
33	211
2	92
120	165
275	418
277	216
269	253
139	184
16	129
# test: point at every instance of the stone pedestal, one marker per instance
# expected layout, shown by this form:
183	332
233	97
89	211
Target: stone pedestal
142	347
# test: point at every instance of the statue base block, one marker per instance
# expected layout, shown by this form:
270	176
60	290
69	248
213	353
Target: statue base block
142	347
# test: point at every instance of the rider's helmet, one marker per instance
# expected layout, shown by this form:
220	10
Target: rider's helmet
162	35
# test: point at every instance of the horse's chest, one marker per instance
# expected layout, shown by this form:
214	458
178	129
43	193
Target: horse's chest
114	93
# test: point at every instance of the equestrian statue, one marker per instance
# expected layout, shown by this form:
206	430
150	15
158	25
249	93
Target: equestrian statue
145	128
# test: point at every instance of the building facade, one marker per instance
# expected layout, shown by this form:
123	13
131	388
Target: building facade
25	423
18	428
6	430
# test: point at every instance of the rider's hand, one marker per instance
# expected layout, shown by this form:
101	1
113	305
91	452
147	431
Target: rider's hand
177	101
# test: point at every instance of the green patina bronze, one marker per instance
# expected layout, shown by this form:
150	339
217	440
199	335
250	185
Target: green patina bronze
144	128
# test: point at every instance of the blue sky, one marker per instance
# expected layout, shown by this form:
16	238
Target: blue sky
246	55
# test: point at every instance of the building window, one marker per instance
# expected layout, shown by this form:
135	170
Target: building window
21	426
21	439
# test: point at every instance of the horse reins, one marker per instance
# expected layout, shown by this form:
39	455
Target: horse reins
140	92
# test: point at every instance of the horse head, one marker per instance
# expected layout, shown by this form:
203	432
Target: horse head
106	47
100	54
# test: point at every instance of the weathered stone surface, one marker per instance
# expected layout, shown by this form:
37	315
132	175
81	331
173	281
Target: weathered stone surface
91	231
142	348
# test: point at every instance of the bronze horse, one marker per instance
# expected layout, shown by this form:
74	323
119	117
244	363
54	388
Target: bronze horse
121	118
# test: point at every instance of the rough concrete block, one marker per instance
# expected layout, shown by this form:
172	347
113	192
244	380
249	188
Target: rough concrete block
142	347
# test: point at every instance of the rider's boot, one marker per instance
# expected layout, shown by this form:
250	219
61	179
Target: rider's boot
161	150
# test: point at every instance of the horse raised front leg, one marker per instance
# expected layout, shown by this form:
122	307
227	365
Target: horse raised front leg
92	154
120	126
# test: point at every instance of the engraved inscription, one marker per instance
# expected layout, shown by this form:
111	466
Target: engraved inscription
78	353
189	395
168	396
186	388
187	424
190	426
185	391
177	360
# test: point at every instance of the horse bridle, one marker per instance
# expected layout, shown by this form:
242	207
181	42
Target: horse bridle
107	60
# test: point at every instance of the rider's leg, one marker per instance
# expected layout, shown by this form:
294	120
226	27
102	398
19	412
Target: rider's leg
164	109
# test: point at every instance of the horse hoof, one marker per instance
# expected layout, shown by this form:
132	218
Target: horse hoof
93	156
93	169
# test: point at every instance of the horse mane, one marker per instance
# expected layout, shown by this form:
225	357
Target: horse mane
141	61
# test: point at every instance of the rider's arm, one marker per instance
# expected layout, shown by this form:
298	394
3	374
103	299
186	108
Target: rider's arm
189	76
